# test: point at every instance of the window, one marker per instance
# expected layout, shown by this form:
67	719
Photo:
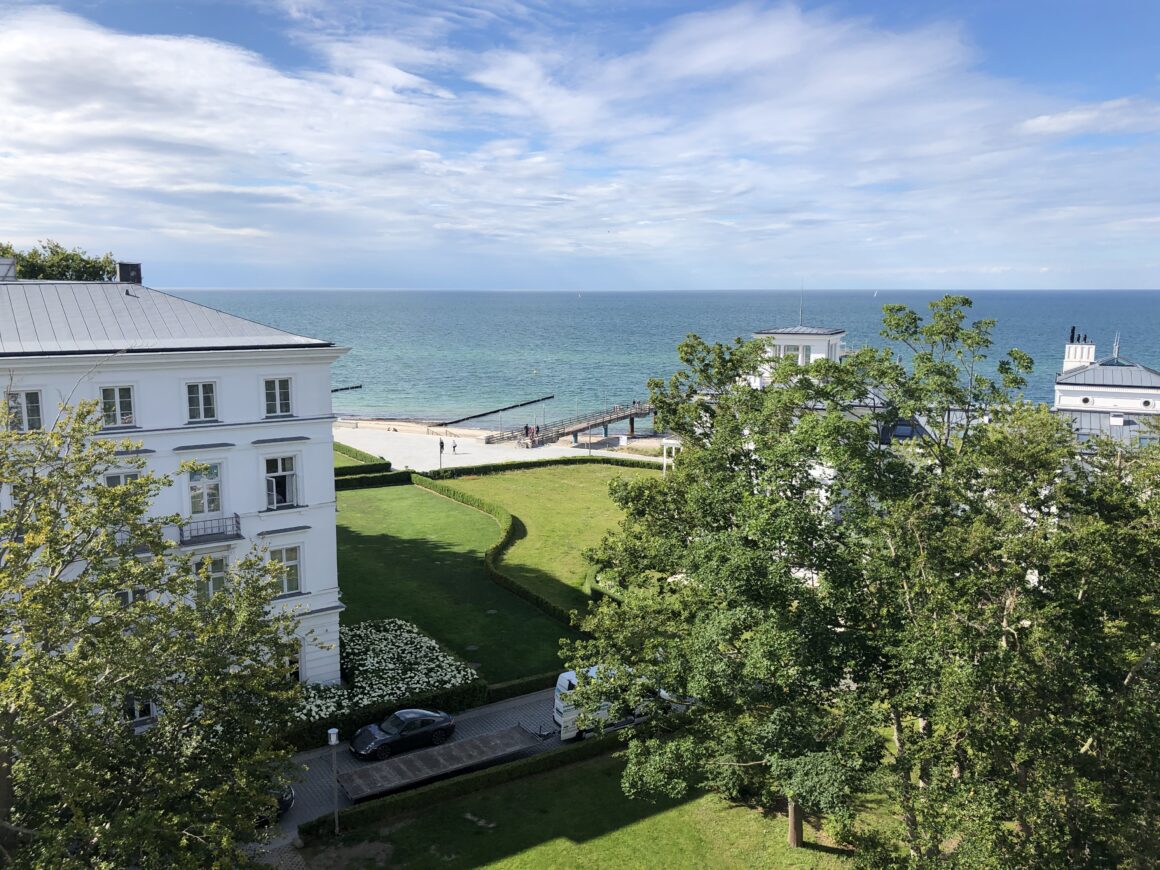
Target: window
294	666
117	405
805	354
202	403
791	350
128	596
1085	400
215	582
119	478
205	492
24	410
281	482
291	560
277	397
137	708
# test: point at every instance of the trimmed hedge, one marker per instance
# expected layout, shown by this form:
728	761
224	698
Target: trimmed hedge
520	464
381	810
521	686
311	735
366	468
366	481
504	518
355	453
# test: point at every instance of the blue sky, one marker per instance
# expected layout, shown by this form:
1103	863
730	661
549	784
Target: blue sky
590	145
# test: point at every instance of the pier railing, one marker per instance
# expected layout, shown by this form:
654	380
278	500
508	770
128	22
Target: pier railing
569	425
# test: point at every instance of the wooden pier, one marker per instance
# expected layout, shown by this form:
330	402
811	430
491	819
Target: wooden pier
556	429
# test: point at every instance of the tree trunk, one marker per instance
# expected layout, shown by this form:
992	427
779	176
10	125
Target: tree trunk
902	769
796	833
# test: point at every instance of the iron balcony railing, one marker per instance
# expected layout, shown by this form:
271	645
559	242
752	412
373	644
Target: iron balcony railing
224	528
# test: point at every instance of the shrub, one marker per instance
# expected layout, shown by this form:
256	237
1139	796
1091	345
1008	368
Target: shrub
500	467
491	557
360	455
357	470
366	481
521	686
388	664
378	811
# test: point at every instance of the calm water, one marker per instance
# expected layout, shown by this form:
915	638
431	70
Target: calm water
439	356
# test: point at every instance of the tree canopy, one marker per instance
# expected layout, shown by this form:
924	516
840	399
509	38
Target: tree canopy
964	620
51	260
139	716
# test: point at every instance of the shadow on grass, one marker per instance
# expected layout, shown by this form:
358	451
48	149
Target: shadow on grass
443	589
578	816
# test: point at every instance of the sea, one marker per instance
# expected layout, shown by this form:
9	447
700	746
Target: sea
444	355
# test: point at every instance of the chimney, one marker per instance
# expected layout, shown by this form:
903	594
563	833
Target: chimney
129	273
1078	353
7	269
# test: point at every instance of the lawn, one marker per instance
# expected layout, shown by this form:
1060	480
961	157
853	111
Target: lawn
577	817
560	511
408	553
341	459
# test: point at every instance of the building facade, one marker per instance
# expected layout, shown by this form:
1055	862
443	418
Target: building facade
1112	396
249	403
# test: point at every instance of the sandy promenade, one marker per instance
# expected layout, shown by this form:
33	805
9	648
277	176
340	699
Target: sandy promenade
416	446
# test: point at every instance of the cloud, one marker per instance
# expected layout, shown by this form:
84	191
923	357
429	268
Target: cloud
750	145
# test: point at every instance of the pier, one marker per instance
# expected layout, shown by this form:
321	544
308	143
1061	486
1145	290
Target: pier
556	429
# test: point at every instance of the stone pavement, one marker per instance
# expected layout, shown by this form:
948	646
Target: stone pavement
315	791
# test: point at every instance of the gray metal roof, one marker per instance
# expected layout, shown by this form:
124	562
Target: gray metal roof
801	330
1113	371
40	318
1089	424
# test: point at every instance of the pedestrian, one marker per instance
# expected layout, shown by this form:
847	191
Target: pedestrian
525	430
453	446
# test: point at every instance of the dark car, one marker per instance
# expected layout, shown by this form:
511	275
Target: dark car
406	729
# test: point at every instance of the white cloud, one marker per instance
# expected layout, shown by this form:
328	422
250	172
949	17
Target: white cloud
753	144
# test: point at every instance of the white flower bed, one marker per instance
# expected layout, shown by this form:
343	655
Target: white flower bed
386	660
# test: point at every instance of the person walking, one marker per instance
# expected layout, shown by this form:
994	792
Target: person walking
453	446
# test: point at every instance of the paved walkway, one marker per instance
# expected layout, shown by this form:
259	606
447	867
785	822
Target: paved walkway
315	787
411	447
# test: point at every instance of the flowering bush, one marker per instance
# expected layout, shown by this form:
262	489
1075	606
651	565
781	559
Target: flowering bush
384	661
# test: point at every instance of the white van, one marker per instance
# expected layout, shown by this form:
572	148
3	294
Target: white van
566	714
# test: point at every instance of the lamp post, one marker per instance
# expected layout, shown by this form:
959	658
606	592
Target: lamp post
332	739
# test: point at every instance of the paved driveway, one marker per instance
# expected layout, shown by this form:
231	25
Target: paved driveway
315	788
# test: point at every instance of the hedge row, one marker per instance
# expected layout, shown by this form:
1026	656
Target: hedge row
521	686
355	453
500	467
311	735
491	557
366	468
381	810
366	481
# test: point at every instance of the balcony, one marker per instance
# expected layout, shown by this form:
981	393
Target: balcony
226	528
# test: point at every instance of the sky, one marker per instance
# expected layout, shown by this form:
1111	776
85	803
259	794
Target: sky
631	145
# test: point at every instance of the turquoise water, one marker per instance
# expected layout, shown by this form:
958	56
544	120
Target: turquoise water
438	356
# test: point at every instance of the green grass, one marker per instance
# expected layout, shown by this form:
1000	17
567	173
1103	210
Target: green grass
560	511
341	459
405	552
577	817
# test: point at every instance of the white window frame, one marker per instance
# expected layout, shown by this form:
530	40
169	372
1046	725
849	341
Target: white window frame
120	478
295	563
139	710
122	419
280	400
294	492
17	401
219	580
197	479
134	593
200	387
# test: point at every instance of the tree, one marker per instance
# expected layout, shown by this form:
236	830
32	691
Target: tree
104	621
984	593
52	261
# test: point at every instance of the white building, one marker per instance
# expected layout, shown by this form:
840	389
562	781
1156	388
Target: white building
805	343
192	383
1112	396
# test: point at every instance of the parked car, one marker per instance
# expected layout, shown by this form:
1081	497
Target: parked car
403	730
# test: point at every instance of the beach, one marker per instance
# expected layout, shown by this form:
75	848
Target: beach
408	444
